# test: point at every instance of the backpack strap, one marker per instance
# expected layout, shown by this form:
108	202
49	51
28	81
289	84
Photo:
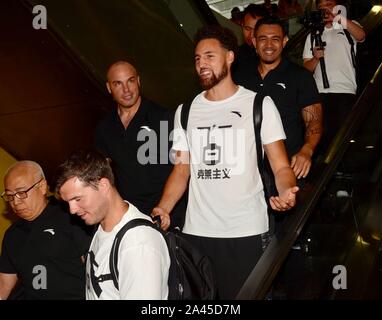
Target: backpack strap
262	161
185	112
257	119
113	259
351	42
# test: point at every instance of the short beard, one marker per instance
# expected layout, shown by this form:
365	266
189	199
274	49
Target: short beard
208	84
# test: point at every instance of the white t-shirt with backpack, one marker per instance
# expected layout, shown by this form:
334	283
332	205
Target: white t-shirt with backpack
143	263
226	198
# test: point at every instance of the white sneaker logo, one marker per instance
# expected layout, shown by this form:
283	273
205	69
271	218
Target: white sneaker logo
51	231
146	127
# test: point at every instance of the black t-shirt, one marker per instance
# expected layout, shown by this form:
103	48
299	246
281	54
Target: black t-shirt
50	245
292	88
139	183
245	65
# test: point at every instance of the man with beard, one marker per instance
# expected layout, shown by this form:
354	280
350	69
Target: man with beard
135	136
226	214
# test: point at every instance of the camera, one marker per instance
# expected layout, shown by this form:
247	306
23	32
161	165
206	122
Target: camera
314	19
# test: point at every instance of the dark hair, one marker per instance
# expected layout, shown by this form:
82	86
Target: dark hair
272	20
338	2
89	166
225	36
255	10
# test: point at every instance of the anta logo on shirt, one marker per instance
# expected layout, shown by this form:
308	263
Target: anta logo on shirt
282	85
237	113
51	231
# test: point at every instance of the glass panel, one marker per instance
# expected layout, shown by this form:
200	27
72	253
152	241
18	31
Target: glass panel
345	228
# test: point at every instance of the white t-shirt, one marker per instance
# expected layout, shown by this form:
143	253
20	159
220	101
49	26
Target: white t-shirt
226	198
143	262
338	61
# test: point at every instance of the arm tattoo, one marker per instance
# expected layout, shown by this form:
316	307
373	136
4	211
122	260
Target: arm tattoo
312	116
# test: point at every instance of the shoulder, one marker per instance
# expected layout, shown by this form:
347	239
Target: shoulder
153	108
140	235
106	121
299	73
244	92
58	212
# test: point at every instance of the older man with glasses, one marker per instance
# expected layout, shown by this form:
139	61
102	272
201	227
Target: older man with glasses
44	249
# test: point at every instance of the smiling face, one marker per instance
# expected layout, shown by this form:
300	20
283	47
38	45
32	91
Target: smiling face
270	41
86	201
212	62
124	85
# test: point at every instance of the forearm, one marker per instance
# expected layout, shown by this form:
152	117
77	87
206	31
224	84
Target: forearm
7	283
354	29
311	64
285	179
312	116
175	187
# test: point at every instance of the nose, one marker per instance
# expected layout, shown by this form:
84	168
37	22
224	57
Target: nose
73	208
16	201
125	88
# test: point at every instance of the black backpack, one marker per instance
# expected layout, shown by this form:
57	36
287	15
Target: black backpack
265	170
190	275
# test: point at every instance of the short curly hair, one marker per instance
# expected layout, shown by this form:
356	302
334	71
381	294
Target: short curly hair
225	36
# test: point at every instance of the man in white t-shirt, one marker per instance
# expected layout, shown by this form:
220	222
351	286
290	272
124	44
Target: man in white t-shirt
227	212
339	98
85	180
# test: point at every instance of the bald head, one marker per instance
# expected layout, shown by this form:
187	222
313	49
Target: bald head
29	167
124	85
120	65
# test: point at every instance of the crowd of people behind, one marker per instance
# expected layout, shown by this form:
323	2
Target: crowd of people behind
283	9
209	185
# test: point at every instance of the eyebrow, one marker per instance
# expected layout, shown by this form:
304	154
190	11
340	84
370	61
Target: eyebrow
74	198
17	189
132	77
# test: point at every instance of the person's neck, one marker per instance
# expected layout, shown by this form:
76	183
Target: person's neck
127	114
223	90
116	209
265	68
40	210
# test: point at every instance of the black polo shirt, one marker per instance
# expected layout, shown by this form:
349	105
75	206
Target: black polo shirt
50	245
245	65
292	88
139	183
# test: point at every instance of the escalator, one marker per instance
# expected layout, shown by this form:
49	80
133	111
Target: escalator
52	89
334	233
337	225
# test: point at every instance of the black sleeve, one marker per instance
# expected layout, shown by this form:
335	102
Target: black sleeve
6	265
82	235
307	91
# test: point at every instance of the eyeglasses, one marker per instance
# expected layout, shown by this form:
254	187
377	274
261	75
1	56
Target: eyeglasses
19	194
